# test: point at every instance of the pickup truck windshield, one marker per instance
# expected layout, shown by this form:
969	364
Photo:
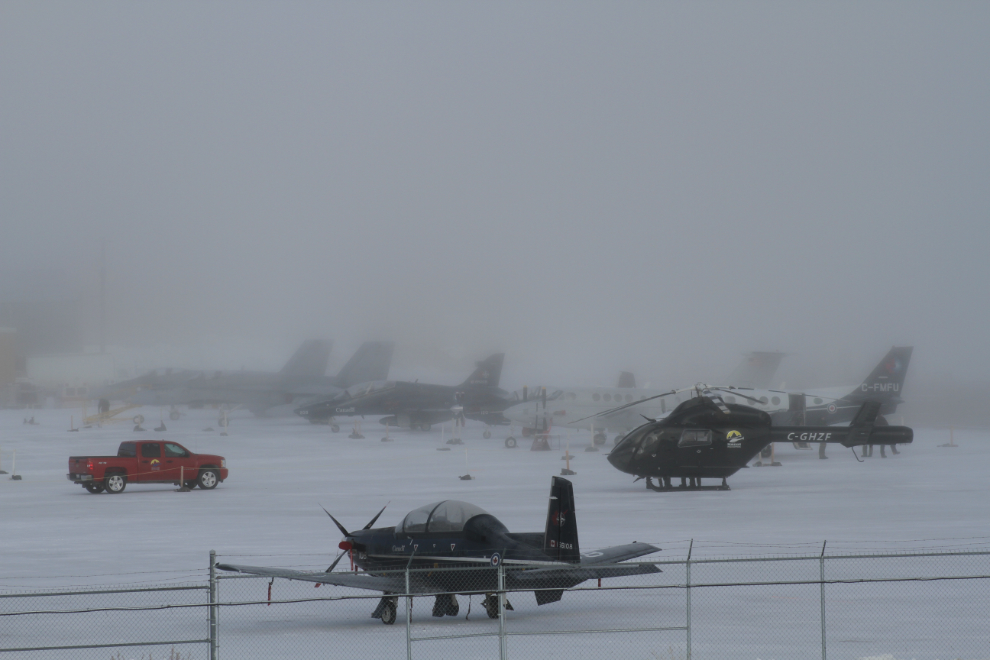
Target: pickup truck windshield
175	451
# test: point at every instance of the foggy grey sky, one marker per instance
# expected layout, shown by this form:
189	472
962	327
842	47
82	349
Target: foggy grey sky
588	187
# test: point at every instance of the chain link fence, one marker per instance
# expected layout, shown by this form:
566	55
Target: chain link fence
907	606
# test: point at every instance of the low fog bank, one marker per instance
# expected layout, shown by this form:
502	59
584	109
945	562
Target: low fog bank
657	188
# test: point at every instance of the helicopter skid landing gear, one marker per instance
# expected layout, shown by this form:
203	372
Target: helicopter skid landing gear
691	483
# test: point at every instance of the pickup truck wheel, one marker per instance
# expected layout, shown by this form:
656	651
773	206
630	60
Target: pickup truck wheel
115	483
208	479
95	488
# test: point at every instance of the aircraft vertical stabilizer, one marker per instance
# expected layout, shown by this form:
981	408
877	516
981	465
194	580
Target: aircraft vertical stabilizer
487	372
370	362
887	380
560	540
310	359
756	370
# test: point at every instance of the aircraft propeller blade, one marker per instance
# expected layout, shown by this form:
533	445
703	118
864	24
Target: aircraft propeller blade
334	564
337	523
372	521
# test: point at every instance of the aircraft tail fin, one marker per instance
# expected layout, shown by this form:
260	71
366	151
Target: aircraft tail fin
309	360
487	372
560	540
756	370
370	362
887	379
626	379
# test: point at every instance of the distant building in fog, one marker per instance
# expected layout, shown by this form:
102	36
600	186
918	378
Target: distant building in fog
41	307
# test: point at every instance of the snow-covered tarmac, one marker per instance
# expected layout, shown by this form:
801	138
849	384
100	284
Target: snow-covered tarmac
55	534
282	470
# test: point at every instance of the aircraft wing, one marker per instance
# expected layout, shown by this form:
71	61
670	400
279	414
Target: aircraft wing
393	584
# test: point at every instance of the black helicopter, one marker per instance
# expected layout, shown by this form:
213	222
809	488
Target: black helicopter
706	438
455	534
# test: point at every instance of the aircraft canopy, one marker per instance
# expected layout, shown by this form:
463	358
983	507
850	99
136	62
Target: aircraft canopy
445	516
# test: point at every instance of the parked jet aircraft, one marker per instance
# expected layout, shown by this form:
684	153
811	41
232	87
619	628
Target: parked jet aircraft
454	534
302	379
577	407
309	361
419	405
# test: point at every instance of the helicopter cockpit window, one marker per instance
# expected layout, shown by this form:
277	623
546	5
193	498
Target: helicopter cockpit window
415	520
695	438
451	515
649	443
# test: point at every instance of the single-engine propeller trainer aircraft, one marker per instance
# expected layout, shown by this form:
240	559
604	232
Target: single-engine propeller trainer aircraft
705	438
457	534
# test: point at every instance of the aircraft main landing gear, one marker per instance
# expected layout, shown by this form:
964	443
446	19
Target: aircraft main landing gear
490	603
386	610
445	605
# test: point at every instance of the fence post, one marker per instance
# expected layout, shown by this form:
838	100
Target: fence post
408	618
214	642
821	567
687	568
501	612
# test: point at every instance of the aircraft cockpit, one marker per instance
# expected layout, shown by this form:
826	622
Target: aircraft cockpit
446	516
363	389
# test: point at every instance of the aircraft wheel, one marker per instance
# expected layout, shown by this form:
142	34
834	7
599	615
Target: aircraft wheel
599	439
208	479
138	419
510	442
94	487
174	415
487	434
115	483
388	613
491	606
881	421
335	428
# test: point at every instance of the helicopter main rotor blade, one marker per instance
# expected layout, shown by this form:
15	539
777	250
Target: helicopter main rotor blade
627	405
736	393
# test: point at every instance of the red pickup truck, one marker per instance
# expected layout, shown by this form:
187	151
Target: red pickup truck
147	461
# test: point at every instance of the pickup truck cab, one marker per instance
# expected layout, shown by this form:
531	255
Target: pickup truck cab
147	461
